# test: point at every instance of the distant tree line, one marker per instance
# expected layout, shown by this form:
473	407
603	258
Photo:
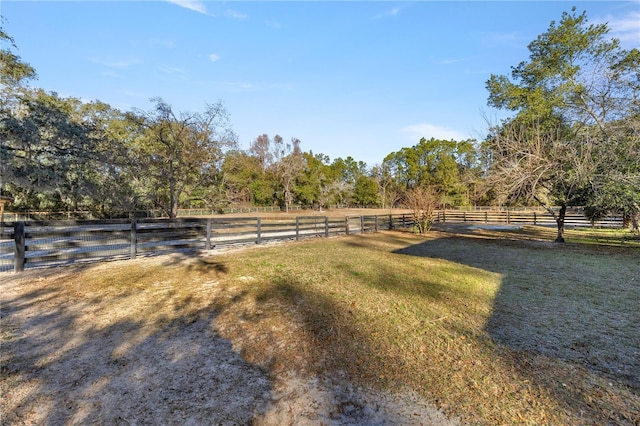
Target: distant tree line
62	154
574	139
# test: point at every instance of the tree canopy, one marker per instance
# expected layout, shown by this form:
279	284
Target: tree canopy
573	139
576	104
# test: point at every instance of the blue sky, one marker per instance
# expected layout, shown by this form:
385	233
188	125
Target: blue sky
360	78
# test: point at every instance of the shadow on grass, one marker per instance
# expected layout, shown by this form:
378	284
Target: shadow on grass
194	263
579	306
342	353
66	362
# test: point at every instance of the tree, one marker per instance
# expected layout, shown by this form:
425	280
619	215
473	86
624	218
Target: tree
615	188
14	74
51	149
576	87
436	162
312	183
261	149
423	201
179	153
59	153
619	194
13	70
114	133
289	166
388	193
366	192
239	171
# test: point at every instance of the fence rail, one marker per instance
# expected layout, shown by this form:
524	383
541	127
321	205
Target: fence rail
542	218
31	244
34	244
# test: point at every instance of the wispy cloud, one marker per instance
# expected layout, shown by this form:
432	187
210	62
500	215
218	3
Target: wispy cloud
171	70
195	5
428	131
624	28
213	57
497	40
111	73
200	6
229	13
162	42
389	12
273	23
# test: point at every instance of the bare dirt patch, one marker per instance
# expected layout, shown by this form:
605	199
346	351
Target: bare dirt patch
76	352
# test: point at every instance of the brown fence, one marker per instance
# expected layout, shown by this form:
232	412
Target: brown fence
49	243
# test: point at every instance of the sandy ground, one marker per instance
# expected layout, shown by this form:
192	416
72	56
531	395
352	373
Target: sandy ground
68	360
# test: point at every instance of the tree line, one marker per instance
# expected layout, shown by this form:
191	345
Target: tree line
573	139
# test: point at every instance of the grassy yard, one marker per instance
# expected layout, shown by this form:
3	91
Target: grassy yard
493	327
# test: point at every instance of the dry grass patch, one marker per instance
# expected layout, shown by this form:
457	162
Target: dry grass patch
393	310
493	328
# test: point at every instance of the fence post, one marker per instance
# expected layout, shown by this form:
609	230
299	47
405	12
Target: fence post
297	227
535	218
362	224
259	239
207	244
486	217
403	222
375	228
464	216
444	216
326	226
508	217
19	237
346	225
133	250
390	222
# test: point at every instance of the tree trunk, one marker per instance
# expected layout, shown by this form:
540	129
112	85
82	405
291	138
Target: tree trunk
560	222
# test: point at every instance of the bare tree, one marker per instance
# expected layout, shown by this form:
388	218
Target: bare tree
261	149
423	202
289	166
534	163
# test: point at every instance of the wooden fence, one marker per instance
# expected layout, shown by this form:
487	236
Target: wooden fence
542	218
33	244
192	212
50	243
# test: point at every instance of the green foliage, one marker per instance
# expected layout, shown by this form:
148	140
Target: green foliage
575	133
59	149
366	192
616	194
13	71
449	165
180	152
573	139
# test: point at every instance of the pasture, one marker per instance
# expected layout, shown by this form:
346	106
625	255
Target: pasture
480	326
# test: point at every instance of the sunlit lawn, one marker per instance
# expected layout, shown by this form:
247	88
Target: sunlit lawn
494	328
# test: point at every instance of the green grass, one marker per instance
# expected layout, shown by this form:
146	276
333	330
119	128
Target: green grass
492	327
